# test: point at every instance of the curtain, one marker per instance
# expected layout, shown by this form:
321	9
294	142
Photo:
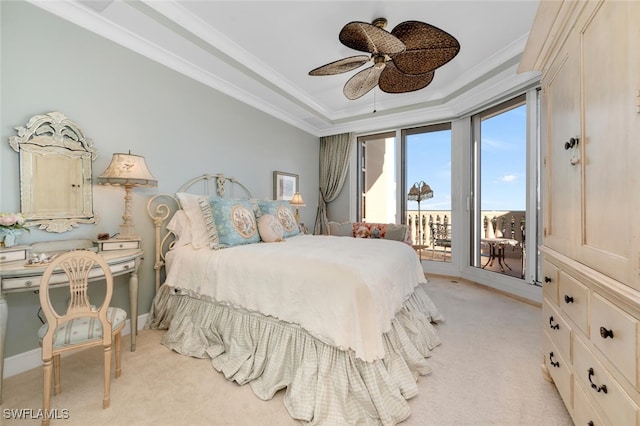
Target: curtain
334	163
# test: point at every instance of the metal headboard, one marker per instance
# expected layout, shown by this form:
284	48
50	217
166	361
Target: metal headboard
162	207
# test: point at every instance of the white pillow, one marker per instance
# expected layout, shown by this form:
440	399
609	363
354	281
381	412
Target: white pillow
180	226
344	229
191	206
270	228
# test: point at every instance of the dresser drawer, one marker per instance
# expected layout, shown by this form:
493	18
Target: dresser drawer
615	333
550	281
122	267
583	411
557	328
573	299
61	278
614	402
559	370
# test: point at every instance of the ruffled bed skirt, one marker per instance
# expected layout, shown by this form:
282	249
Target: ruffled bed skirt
324	384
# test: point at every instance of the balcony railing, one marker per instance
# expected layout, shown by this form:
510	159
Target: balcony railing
431	232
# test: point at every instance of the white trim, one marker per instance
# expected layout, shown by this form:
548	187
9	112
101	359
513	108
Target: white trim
127	26
25	361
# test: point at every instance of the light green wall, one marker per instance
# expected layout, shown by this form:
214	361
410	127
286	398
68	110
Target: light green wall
124	102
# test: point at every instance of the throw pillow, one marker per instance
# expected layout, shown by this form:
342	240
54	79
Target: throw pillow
270	228
281	210
181	228
191	206
369	230
235	221
210	223
344	229
396	232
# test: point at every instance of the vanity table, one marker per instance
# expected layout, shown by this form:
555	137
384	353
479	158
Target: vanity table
122	256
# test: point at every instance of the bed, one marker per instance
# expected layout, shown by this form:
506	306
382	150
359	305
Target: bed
343	325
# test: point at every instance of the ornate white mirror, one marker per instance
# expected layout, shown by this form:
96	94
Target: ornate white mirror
55	172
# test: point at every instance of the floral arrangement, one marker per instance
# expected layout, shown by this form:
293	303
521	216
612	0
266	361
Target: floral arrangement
12	221
11	226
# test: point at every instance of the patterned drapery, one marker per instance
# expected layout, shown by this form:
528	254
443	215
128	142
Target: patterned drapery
335	151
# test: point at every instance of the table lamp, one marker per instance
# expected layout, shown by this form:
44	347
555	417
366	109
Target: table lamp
298	202
127	170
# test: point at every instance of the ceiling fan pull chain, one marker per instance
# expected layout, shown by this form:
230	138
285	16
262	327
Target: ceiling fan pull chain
374	100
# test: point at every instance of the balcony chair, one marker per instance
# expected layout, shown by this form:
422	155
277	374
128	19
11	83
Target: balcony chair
82	324
440	235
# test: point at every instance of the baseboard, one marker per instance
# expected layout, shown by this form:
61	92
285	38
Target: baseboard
24	361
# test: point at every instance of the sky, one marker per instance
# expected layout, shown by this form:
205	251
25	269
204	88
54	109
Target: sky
503	163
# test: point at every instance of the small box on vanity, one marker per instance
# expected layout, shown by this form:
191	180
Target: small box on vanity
119	244
12	254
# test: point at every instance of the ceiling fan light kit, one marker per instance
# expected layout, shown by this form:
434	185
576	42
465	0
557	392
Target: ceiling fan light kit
404	60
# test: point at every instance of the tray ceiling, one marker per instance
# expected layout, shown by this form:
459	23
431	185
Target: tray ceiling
260	52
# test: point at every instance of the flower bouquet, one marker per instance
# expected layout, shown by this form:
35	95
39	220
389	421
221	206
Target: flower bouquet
11	225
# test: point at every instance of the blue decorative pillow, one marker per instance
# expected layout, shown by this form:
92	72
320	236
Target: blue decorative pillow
235	221
281	210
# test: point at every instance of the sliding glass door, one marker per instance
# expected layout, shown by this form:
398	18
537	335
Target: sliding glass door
500	181
427	163
377	178
468	189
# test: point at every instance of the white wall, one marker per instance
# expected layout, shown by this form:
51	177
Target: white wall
124	102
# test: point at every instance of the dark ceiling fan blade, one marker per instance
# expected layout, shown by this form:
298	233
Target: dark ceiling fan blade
366	37
427	47
340	66
392	80
362	82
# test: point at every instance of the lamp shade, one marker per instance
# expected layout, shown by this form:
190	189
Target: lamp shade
420	191
127	170
297	200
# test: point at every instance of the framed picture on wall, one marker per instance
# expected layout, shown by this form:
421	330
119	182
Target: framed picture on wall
284	185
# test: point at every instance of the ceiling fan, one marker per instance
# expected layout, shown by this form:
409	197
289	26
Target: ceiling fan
404	60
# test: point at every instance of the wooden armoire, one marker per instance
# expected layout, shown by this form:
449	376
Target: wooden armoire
588	52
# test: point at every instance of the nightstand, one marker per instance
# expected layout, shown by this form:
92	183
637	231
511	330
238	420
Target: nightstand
117	244
12	254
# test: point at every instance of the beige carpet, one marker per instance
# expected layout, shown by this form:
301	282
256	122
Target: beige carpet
486	372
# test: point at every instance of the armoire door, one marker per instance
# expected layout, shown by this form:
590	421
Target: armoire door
561	120
609	216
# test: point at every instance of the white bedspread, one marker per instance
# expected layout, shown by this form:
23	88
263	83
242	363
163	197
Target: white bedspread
344	291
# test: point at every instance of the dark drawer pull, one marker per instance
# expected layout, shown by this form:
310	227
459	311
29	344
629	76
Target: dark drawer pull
604	333
547	279
602	388
590	423
554	364
568	299
552	325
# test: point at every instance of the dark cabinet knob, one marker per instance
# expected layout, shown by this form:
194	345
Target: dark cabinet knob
604	333
553	363
572	142
552	325
568	299
547	279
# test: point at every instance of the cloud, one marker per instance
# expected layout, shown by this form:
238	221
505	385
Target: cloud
491	144
508	178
